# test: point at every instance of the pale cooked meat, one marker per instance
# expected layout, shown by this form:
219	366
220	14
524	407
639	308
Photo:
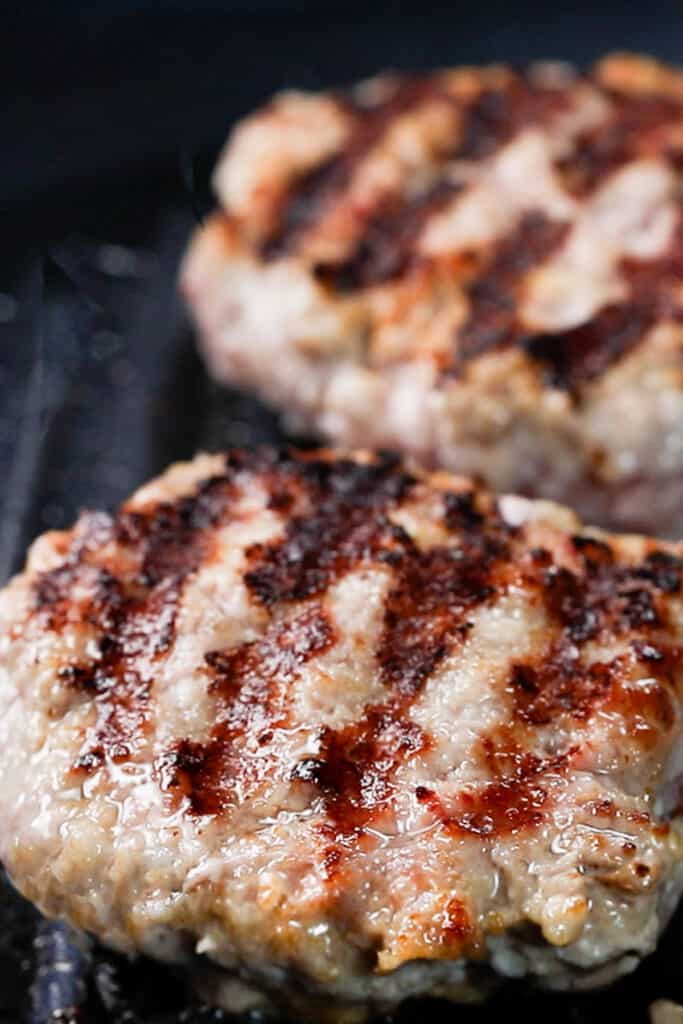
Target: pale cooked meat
478	267
349	732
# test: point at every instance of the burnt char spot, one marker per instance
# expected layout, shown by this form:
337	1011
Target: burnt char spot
593	551
251	684
663	570
567	599
313	192
605	595
496	115
387	248
131	606
494	295
636	128
461	512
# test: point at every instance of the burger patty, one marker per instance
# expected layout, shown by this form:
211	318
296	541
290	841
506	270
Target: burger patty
338	732
480	267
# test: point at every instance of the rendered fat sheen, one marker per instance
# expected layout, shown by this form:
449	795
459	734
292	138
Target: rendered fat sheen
347	731
479	267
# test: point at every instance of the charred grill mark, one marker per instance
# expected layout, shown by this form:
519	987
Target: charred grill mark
52	590
168	537
251	684
662	570
315	191
345	522
121	701
133	613
494	295
461	512
608	596
636	128
578	356
495	116
602	600
559	685
306	203
516	800
387	248
426	610
354	767
582	354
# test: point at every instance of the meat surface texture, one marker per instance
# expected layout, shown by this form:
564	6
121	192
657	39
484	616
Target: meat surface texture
338	732
481	268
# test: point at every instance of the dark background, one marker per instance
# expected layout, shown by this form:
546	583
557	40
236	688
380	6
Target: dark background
111	116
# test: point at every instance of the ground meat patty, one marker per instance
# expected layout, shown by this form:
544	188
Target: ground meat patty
479	267
346	732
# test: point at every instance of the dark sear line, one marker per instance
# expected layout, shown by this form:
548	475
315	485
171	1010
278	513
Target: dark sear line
251	685
515	800
636	129
494	295
132	612
603	600
607	596
343	521
576	357
495	116
314	192
388	247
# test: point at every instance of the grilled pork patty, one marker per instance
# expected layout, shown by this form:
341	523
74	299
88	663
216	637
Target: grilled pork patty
347	731
479	267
